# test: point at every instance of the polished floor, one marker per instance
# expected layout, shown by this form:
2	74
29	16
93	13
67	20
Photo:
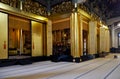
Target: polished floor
19	57
100	68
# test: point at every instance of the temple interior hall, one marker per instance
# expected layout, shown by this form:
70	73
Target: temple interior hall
59	39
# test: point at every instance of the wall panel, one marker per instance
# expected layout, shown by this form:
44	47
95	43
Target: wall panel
3	36
61	25
19	23
37	39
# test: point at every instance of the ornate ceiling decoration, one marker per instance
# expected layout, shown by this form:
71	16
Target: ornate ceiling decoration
28	6
64	7
57	6
105	9
34	7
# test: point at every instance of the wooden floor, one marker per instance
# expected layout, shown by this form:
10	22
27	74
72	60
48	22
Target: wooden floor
100	68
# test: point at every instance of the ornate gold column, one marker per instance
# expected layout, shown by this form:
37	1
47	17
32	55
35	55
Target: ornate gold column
102	39
76	35
49	38
72	34
92	37
107	40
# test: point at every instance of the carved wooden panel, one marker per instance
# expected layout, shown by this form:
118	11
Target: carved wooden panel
65	7
5	1
28	6
34	7
13	3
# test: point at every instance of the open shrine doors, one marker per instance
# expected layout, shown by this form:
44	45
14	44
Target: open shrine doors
26	37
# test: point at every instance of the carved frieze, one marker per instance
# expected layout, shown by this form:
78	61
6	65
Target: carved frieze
5	1
65	7
13	3
28	6
34	7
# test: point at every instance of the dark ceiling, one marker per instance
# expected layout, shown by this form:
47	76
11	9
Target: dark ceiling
51	2
109	8
103	8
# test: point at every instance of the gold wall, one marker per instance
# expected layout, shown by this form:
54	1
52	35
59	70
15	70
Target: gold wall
37	38
13	38
85	23
61	24
3	36
85	26
19	23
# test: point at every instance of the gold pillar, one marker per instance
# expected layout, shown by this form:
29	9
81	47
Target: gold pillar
49	38
107	40
102	39
76	35
80	35
92	42
72	34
